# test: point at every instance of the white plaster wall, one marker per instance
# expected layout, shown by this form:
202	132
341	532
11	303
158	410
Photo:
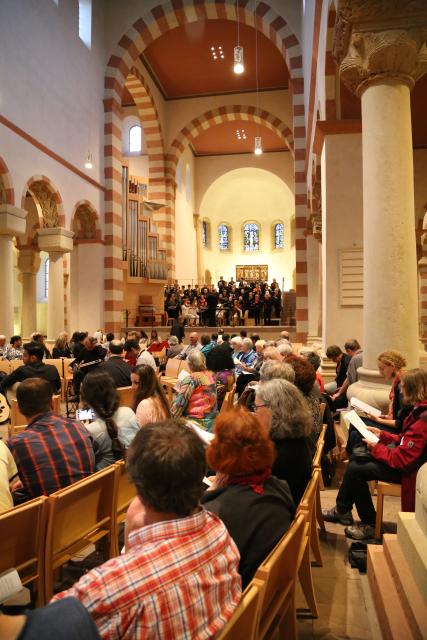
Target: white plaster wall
243	194
185	233
87	288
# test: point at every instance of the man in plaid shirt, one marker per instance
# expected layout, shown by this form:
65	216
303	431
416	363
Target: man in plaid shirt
52	452
178	577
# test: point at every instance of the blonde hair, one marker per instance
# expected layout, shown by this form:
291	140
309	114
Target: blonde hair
393	358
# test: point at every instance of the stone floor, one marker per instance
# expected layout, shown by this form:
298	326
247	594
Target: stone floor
343	595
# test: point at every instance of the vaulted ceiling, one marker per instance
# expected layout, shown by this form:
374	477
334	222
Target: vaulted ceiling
225	139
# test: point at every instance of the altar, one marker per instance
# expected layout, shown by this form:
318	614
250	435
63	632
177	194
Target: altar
251	272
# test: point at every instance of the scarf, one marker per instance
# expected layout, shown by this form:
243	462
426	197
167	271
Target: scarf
255	480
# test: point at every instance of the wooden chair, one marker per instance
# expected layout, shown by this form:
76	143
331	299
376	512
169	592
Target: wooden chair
22	543
384	489
13	430
125	396
125	492
278	572
17	418
58	363
66	375
244	621
5	366
15	364
309	504
79	515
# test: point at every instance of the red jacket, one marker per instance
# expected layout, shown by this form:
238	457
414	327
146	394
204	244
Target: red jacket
409	453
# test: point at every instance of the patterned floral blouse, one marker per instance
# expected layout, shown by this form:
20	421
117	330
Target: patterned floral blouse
196	399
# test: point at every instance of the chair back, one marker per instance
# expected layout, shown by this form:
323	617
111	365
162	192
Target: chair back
244	621
308	500
80	514
184	366
17	418
173	366
15	364
126	491
126	396
22	538
5	366
58	363
15	429
225	403
279	572
66	363
319	449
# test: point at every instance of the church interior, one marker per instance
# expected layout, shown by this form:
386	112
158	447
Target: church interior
158	155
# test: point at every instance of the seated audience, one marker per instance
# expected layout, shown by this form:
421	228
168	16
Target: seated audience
193	345
116	367
250	363
150	404
270	370
236	344
314	360
15	350
9	478
207	345
132	351
305	377
256	507
40	339
272	353
155	343
77	343
281	409
178	577
88	359
33	367
391	366
114	427
174	349
394	458
145	357
63	620
342	360
53	451
3	348
61	348
285	349
355	352
196	394
221	363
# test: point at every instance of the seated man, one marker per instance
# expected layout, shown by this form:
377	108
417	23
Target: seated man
355	352
33	367
115	366
194	344
342	360
89	357
398	463
178	577
52	452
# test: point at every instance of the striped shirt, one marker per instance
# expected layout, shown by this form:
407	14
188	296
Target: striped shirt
177	579
52	453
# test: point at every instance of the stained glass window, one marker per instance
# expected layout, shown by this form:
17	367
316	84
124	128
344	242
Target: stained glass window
204	233
224	237
251	237
278	235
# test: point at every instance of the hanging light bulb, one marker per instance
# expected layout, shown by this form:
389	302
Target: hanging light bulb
238	60
258	146
88	163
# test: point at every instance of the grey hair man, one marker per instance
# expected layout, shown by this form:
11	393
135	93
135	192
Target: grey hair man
272	370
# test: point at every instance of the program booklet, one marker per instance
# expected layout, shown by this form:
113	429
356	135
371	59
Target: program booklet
358	423
363	406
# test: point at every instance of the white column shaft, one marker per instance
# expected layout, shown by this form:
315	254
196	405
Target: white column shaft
29	304
390	268
6	270
55	301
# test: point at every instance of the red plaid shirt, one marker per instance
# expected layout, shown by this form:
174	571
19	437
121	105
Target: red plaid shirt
52	453
178	579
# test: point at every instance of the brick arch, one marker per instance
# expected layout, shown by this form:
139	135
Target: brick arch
149	27
7	194
51	189
83	209
150	121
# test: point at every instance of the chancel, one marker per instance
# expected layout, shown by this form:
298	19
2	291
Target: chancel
213	322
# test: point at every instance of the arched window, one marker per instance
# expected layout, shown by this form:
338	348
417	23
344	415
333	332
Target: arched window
224	233
251	236
206	233
135	144
278	235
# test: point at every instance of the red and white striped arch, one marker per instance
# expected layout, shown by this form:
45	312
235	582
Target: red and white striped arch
144	31
53	190
9	194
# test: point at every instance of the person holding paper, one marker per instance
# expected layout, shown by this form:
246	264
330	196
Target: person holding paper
394	458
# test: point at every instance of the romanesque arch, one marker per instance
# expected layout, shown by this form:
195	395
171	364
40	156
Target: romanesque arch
7	194
85	222
48	198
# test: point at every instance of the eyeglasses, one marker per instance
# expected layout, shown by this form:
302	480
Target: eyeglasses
258	406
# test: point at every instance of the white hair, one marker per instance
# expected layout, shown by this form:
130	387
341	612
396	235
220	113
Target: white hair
237	340
248	343
196	360
284	349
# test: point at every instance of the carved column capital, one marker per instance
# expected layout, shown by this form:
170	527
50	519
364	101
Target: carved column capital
379	41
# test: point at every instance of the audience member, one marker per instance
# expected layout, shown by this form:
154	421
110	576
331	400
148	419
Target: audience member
196	397
178	577
175	347
355	352
145	357
256	507
314	359
15	350
207	344
40	339
194	344
114	427
272	353
9	478
132	351
88	359
150	404
3	348
53	451
33	367
305	377
77	341
285	349
281	409
394	458
61	348
116	367
342	360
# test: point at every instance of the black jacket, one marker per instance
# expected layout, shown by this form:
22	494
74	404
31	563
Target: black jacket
293	464
36	370
118	370
219	358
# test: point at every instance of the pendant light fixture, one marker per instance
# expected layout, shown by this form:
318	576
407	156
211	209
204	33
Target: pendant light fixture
258	140
239	66
89	161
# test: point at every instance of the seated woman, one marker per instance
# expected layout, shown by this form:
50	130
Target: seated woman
61	348
397	463
256	507
150	404
305	378
155	343
281	409
114	427
220	362
196	393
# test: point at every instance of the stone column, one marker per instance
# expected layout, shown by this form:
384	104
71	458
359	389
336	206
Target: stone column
28	265
55	241
380	61
200	274
12	223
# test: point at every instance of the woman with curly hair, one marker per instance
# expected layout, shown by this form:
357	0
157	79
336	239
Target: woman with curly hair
391	365
256	507
114	427
282	410
305	378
